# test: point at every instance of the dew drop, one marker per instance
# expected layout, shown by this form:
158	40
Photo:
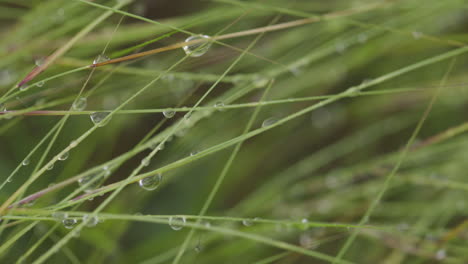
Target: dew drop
25	162
441	254
260	82
151	183
219	104
39	62
90	221
98	117
2	107
101	58
177	222
69	223
51	166
64	156
9	179
59	216
40	84
269	121
304	224
362	38
80	104
89	182
417	34
247	222
23	88
306	240
73	144
197	50
169	113
193	153
145	161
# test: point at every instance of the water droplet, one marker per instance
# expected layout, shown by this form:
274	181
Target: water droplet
69	223
30	203
40	84
269	121
39	61
219	104
260	82
64	156
73	144
25	162
441	254
197	50
341	47
304	224
247	222
169	113
98	117
150	183
23	88
176	222
80	104
187	116
2	107
101	58
9	179
90	221
306	240
205	223
417	34
193	153
51	166
106	170
362	38
145	161
198	248
89	182
59	216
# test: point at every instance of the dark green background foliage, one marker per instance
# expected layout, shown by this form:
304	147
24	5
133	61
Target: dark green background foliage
338	138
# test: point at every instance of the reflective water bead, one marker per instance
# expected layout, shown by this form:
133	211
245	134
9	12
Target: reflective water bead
59	215
51	166
89	182
304	224
40	84
169	113
198	49
23	87
441	254
26	162
101	58
98	117
80	104
247	222
269	121
145	161
150	183
90	221
69	223
260	82
176	222
64	156
2	107
39	61
219	104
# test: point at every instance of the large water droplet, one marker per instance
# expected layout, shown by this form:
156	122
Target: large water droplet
169	113
269	121
98	117
151	183
26	162
197	50
90	221
64	156
51	166
176	222
80	104
219	104
69	223
23	87
100	58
